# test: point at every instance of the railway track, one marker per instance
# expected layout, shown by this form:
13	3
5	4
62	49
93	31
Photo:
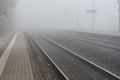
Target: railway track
86	70
103	37
103	42
43	66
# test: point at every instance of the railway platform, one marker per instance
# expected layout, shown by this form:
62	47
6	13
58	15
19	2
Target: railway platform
15	63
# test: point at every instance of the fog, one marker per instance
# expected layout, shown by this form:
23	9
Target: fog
65	14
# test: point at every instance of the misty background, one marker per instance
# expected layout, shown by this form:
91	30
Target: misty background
65	14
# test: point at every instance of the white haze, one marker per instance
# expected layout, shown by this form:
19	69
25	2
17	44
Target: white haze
36	14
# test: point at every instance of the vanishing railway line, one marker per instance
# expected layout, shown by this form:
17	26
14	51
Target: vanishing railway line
69	64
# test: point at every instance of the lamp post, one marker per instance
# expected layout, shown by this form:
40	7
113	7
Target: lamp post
77	14
119	13
93	16
92	11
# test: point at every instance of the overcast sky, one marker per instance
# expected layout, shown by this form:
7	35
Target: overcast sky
63	14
